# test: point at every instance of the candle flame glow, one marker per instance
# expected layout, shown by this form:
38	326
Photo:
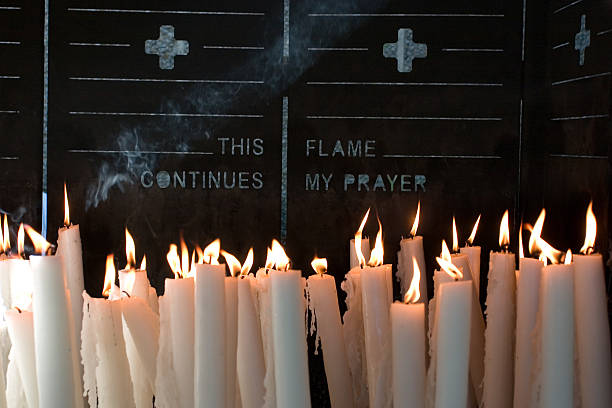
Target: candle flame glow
184	256
66	207
281	260
248	263
20	241
358	236
470	240
269	259
109	276
143	263
455	237
547	251
520	238
413	294
232	262
568	257
319	265
536	231
174	261
445	254
450	269
41	245
415	224
591	231
504	232
211	252
6	240
377	254
130	250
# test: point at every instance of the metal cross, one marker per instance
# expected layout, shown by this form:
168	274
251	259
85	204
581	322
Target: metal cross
166	47
582	39
404	50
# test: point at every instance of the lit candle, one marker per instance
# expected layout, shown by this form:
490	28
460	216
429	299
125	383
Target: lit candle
137	278
592	330
362	243
20	276
108	364
251	367
473	254
56	362
21	330
376	291
288	333
408	346
452	339
410	248
5	273
501	320
265	316
323	303
527	299
210	330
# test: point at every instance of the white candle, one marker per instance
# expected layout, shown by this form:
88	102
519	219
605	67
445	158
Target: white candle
5	283
54	343
324	306
408	348
473	254
365	249
354	336
153	300
452	344
250	357
140	287
180	297
265	315
527	299
289	339
556	347
21	331
412	248
210	330
592	332
499	335
21	282
231	339
376	296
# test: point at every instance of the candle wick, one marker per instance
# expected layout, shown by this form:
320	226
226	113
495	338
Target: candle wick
590	250
128	295
18	309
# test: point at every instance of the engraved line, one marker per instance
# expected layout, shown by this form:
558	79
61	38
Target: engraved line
45	120
560	45
473	49
230	47
438	156
142	11
99	44
10	42
138	151
404	83
9	158
204	81
523	33
565	81
286	28
605	32
336	49
9	111
10	77
578	156
10	8
566	6
401	15
195	115
580	117
403	118
284	148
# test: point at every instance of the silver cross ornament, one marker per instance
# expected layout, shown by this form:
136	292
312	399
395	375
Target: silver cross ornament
582	39
166	47
404	50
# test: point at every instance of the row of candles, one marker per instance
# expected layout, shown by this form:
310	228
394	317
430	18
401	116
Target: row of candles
218	340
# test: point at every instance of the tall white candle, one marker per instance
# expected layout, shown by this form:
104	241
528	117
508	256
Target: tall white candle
210	331
265	314
21	282
473	255
527	299
323	302
137	281
5	283
21	331
592	332
250	357
53	335
556	347
365	250
231	339
289	339
499	335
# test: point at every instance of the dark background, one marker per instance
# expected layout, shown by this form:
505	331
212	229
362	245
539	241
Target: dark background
499	115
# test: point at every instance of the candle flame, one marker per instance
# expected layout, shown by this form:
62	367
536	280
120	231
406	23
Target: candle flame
211	252
415	224
6	241
109	276
248	263
143	263
520	237
413	294
358	236
130	250
450	268
445	254
66	207
184	257
20	241
455	237
591	231
232	263
470	240
319	265
504	232
174	261
269	259
193	263
377	254
1	236
281	260
41	245
547	251
568	257
536	231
